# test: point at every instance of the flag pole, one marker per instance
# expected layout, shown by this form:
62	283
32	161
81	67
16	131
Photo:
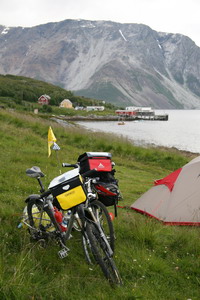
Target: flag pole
57	148
52	142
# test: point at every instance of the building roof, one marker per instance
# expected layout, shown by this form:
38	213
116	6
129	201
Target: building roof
66	103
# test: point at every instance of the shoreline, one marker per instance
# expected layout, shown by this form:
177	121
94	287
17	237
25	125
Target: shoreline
94	118
184	152
67	123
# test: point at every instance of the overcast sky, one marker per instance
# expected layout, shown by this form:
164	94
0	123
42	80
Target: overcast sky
172	16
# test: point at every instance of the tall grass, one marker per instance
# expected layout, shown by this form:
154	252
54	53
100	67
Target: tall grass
155	261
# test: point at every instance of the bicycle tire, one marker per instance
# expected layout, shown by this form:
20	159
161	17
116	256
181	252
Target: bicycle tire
87	250
40	221
104	219
101	255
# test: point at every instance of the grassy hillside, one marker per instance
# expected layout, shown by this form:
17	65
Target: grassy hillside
155	261
17	89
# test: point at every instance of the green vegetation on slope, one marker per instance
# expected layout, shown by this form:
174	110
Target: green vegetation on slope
155	261
106	91
19	89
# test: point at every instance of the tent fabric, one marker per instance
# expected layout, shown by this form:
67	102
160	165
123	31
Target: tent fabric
169	180
175	199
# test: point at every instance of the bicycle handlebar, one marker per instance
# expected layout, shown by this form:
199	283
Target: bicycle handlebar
86	174
70	165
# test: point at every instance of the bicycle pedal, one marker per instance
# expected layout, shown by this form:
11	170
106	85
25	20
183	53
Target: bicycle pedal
63	253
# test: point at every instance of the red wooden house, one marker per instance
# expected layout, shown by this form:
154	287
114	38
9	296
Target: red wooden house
44	100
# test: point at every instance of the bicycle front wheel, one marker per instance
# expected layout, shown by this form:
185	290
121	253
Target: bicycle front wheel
103	218
101	254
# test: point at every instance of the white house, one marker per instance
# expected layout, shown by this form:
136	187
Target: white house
96	108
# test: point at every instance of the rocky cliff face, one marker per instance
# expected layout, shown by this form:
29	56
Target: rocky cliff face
125	64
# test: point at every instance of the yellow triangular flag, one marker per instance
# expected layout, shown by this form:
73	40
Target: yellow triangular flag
51	140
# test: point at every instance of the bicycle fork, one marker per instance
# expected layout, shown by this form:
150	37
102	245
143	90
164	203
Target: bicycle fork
102	234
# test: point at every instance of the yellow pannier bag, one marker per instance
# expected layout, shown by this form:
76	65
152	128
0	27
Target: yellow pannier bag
43	219
68	189
38	219
71	198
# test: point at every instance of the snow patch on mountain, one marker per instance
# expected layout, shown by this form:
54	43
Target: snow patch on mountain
5	30
122	35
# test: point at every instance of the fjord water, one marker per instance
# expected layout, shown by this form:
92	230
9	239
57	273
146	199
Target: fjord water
181	131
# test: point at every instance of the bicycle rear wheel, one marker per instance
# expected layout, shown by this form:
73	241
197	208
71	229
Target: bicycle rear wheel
40	220
101	213
101	254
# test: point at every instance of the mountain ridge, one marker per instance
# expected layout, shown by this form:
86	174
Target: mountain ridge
124	64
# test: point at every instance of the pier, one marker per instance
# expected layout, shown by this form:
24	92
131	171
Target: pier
95	118
139	113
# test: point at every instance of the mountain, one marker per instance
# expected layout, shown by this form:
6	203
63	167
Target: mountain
124	64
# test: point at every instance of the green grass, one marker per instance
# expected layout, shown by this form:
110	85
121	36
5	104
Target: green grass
156	262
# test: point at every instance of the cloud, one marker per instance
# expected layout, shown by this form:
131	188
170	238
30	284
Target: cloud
180	16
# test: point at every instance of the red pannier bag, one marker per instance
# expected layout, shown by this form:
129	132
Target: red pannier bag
107	186
101	161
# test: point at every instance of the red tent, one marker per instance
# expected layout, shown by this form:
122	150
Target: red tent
175	199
